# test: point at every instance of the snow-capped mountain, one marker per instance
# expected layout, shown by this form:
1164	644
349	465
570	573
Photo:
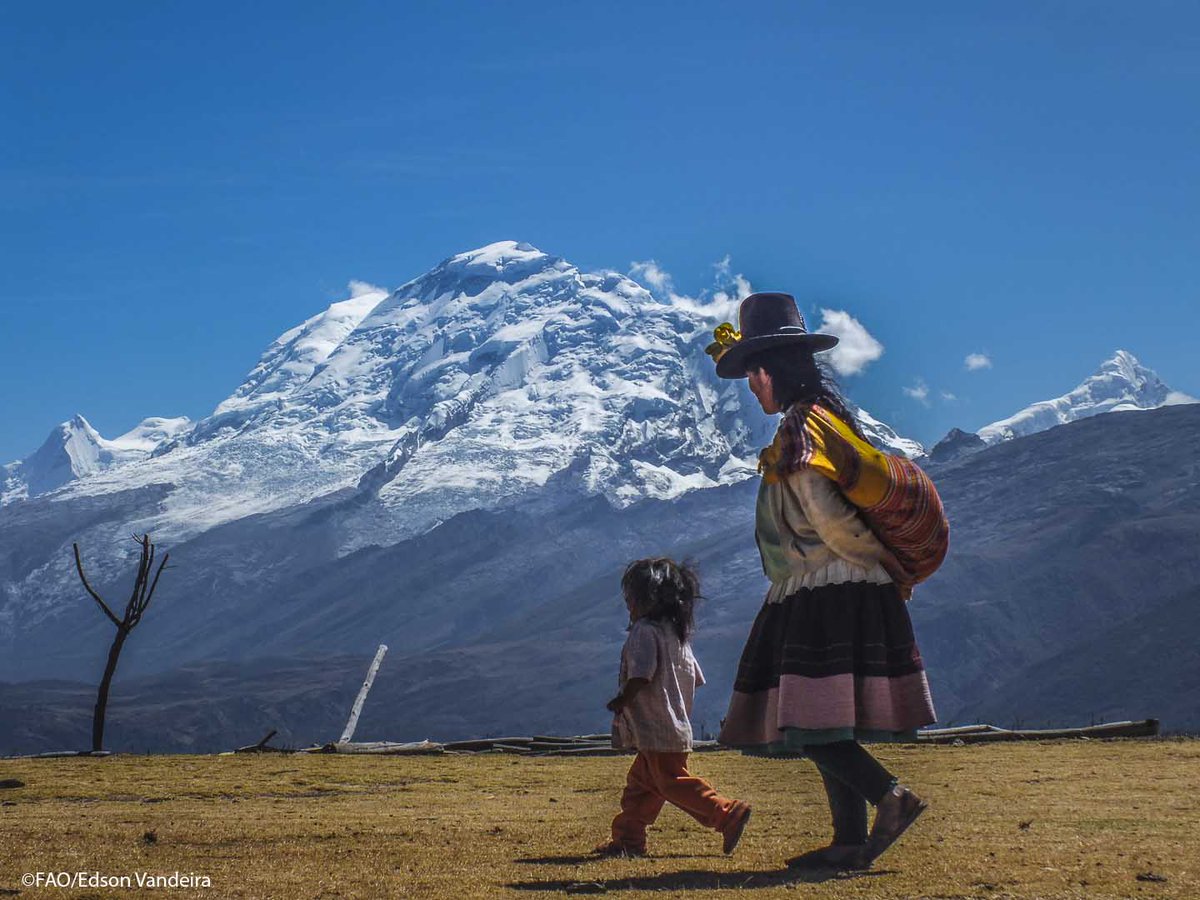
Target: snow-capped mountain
1121	383
74	450
503	377
463	389
884	437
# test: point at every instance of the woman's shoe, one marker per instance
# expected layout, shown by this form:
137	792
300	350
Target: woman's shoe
898	809
739	815
835	856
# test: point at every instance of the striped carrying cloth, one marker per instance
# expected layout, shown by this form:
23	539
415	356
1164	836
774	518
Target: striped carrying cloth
895	497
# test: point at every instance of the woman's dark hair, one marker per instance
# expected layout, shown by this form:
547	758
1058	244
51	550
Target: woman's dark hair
661	589
797	376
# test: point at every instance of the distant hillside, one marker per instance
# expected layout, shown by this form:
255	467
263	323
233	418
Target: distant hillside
1148	665
1057	538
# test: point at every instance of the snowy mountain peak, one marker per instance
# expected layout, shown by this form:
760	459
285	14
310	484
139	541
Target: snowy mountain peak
1125	365
1121	383
74	450
498	257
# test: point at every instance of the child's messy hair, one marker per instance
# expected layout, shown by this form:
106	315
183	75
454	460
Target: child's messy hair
661	589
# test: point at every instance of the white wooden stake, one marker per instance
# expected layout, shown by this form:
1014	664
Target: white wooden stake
362	695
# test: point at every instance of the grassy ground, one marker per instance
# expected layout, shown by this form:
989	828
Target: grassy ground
1067	819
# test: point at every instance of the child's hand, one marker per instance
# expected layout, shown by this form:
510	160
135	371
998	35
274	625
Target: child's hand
616	704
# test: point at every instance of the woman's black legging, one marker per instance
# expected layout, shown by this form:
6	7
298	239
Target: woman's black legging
853	777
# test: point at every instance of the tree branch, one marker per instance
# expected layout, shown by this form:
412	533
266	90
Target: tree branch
133	607
150	595
149	567
104	606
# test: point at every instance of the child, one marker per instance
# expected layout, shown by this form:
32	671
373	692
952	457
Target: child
658	680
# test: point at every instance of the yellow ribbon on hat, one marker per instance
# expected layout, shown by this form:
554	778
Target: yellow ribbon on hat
725	339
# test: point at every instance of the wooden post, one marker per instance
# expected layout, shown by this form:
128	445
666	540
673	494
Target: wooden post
352	723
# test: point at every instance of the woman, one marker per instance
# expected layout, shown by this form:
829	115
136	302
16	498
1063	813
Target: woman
831	658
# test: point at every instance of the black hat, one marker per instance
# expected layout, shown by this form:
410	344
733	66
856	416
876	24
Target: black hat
766	320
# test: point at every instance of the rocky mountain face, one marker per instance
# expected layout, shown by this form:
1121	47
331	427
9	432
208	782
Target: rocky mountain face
955	445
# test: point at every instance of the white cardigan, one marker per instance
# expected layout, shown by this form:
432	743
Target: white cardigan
809	535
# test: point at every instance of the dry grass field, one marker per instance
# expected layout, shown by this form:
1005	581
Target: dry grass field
1063	819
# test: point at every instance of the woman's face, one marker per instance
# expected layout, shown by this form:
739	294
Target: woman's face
760	386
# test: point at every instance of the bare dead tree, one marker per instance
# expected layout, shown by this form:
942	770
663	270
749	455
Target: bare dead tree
139	600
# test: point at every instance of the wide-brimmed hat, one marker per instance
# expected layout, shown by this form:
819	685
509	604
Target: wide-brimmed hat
765	320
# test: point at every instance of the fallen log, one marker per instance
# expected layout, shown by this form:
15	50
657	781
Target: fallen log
61	754
575	745
485	743
380	748
1143	728
957	730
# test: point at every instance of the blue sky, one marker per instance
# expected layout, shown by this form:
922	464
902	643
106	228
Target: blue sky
180	183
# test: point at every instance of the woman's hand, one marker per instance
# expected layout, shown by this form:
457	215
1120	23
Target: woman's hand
616	704
898	573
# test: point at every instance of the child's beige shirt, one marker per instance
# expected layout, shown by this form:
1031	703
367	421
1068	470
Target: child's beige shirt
656	719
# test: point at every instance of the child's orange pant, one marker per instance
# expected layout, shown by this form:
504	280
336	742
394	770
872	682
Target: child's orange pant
658	778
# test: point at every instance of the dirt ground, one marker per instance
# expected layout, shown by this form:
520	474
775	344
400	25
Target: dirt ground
1092	819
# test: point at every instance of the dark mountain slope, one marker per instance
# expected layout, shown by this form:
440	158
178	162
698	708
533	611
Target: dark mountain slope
1062	542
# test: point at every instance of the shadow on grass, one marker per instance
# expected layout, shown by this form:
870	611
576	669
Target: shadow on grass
694	880
580	859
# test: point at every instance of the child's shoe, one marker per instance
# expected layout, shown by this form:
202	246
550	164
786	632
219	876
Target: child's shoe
735	824
612	848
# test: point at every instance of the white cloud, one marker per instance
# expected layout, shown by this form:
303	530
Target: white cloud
362	288
716	304
976	361
730	286
857	348
948	397
1179	398
919	392
652	275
